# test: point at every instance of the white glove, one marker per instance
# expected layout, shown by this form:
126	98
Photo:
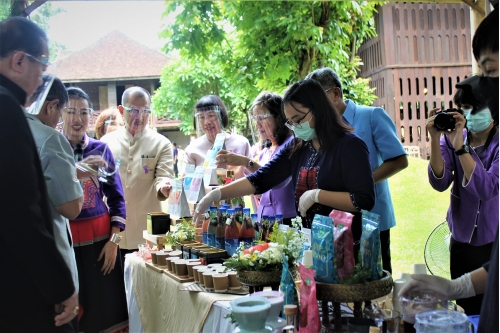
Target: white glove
203	204
455	289
307	199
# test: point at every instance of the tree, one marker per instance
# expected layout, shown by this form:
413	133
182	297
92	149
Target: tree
40	16
239	48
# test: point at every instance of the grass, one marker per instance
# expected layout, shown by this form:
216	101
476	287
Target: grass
419	208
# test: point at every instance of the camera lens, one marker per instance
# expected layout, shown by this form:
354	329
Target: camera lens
444	121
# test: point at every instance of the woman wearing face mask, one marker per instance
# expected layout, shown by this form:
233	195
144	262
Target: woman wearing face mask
328	163
269	123
467	157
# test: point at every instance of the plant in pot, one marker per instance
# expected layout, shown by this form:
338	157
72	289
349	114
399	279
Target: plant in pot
262	264
185	232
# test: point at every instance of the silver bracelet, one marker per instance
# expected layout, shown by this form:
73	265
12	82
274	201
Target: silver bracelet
115	238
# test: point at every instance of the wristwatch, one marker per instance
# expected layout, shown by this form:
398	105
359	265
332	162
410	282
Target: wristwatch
115	238
463	150
250	164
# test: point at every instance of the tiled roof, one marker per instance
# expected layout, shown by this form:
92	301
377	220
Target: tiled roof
115	56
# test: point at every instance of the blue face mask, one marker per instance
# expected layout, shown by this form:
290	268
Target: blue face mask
480	121
305	132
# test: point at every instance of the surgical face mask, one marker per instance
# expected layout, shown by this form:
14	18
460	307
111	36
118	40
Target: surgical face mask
304	132
479	121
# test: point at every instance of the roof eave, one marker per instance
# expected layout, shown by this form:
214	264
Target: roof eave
112	79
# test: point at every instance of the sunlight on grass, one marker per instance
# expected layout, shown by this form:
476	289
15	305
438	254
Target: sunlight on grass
419	208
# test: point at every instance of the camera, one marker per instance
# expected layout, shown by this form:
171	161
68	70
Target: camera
444	120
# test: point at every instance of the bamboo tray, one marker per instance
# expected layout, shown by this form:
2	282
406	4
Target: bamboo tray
344	293
178	278
153	267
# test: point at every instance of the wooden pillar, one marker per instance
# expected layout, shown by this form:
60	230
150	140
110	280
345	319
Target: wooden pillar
112	102
475	19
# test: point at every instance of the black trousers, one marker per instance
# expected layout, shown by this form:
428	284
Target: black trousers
176	169
464	258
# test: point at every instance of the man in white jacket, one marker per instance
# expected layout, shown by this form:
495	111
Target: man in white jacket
146	165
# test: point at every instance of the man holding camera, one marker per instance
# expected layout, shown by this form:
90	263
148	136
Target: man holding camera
467	157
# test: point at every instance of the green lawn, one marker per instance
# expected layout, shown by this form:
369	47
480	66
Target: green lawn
419	208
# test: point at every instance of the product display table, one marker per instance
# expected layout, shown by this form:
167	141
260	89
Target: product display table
155	303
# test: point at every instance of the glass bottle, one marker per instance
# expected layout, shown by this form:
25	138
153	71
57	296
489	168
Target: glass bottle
212	227
279	219
264	223
272	221
232	235
204	228
238	216
221	229
256	227
247	234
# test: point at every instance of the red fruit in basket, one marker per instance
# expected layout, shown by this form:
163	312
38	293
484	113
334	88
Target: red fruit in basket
258	247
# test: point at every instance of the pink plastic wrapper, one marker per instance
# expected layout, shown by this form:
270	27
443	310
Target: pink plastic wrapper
309	311
344	243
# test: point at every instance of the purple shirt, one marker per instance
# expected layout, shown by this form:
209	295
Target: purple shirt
93	204
280	199
473	202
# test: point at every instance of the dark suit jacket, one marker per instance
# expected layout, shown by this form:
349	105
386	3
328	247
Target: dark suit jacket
33	274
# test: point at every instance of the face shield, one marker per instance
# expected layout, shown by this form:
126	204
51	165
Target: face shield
208	121
136	117
262	124
111	155
40	94
76	117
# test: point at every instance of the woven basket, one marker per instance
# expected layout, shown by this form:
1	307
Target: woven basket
355	292
261	278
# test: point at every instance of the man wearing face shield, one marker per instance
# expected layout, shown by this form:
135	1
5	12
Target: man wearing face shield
210	119
38	292
146	165
467	157
58	166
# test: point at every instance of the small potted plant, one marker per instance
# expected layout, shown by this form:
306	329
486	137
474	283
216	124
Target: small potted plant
184	233
262	264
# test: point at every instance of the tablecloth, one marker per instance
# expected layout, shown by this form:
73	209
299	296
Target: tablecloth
163	308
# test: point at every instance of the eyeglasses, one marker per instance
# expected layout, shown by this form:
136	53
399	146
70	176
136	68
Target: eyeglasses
261	117
207	115
135	111
43	61
327	90
83	112
291	125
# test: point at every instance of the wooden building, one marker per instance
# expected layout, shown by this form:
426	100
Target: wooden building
109	66
421	51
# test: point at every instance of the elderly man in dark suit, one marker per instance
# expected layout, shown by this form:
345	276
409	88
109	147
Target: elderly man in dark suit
37	292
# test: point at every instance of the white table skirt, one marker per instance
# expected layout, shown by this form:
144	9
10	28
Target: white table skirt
215	321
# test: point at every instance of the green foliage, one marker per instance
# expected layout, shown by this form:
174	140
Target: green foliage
4	9
41	17
358	274
236	49
185	231
231	317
